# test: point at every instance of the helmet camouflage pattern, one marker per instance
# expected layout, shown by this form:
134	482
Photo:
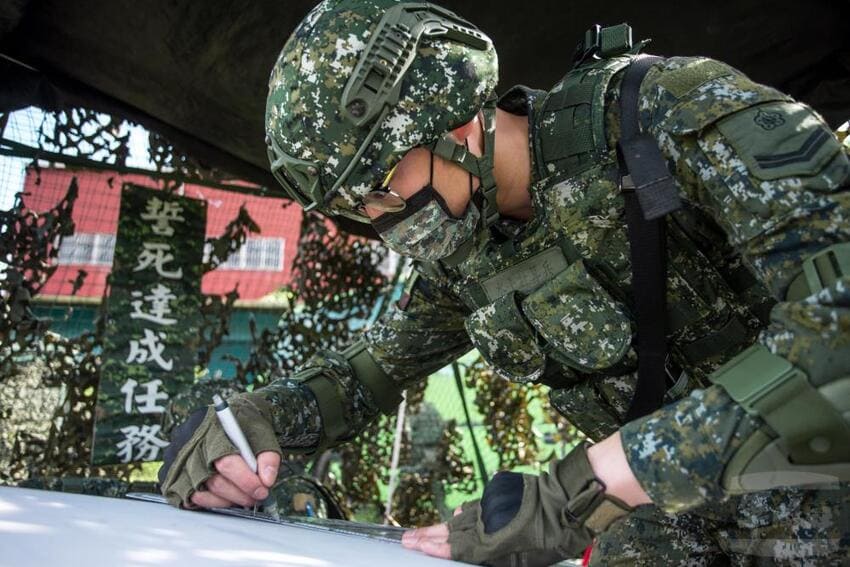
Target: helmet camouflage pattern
361	82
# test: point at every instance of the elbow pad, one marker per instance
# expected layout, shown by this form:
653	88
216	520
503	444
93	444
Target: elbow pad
330	395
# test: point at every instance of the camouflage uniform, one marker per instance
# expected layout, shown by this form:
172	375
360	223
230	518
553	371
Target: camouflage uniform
733	249
779	527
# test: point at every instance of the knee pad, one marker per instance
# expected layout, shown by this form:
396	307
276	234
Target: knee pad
806	439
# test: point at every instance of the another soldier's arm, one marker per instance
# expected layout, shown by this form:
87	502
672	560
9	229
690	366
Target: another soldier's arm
774	178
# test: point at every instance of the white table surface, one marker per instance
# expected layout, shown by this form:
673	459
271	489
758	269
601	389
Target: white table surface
41	528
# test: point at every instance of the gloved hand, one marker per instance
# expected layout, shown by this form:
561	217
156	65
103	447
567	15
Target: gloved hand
198	447
535	520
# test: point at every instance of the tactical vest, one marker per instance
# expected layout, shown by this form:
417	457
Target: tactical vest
552	300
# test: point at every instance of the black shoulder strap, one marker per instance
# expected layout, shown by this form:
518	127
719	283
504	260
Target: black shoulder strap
650	193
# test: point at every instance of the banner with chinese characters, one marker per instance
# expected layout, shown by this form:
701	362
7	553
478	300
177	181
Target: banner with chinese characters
153	316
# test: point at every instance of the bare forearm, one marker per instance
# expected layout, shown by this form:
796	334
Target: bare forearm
611	467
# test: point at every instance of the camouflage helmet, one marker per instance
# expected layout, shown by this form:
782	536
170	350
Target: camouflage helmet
361	82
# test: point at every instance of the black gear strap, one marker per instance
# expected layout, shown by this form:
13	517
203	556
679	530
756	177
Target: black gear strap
650	194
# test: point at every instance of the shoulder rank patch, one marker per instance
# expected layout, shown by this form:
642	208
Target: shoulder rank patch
780	139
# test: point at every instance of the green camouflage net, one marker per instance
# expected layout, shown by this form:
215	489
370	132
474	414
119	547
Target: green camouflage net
430	460
215	320
26	408
48	382
235	235
34	360
28	248
88	134
566	435
170	157
419	499
335	280
504	406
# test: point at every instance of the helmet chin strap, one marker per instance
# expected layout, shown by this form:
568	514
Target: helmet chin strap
479	166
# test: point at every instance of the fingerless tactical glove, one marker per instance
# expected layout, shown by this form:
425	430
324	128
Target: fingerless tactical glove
535	520
200	441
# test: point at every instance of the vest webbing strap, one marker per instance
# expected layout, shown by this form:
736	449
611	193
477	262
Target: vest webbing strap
330	395
820	270
481	167
647	185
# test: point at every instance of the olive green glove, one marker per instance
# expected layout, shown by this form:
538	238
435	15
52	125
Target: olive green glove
554	516
200	441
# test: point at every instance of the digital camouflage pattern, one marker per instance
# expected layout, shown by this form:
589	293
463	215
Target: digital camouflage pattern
776	219
444	88
684	475
779	527
297	428
432	232
749	220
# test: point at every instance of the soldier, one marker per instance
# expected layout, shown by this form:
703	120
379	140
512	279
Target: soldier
650	231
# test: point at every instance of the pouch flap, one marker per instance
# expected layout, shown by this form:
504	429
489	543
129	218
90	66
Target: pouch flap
585	328
506	341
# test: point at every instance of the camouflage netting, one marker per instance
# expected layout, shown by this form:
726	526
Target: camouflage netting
335	281
505	407
83	133
48	382
32	357
431	461
26	409
28	248
47	431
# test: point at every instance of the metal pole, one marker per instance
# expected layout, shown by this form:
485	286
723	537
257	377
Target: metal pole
399	432
481	470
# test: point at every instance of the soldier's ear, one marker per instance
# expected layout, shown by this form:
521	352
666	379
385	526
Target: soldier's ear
464	131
